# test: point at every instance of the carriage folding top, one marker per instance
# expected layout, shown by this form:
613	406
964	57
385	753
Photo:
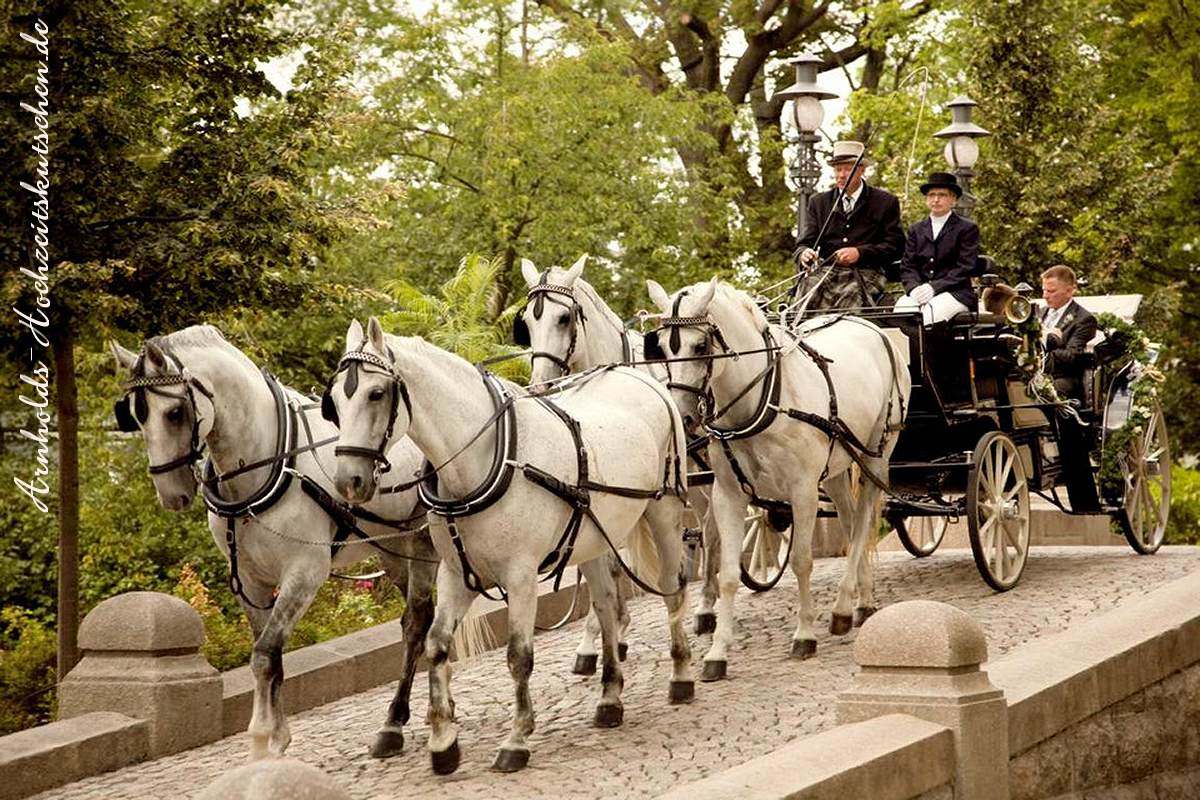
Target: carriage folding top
976	441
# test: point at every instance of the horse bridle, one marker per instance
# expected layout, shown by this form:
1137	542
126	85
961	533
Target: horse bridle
131	422
712	336
349	364
537	295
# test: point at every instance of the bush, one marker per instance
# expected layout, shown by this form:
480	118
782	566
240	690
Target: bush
27	654
1183	527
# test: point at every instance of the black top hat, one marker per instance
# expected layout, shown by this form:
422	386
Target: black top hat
942	180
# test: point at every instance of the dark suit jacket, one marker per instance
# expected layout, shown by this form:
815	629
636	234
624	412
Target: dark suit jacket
946	263
873	227
1064	353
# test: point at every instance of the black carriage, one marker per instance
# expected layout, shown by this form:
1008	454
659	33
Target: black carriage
978	441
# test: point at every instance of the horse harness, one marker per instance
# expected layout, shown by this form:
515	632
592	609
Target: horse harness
537	295
833	426
500	474
345	516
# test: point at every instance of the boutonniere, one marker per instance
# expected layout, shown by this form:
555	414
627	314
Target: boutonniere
1067	320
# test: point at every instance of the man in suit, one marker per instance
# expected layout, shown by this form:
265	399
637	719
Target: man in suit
1067	327
862	240
939	256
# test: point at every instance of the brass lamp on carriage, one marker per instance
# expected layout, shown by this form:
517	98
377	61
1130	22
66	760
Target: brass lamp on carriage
807	114
962	151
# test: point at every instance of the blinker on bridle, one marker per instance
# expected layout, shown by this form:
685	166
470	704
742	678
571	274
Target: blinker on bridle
349	364
536	296
128	422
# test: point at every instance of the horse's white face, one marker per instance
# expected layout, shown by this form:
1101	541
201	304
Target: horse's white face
551	321
168	424
688	379
363	414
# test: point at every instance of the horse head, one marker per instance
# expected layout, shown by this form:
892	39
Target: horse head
369	403
552	320
175	412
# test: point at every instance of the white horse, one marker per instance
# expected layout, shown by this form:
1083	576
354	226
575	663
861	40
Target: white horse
572	329
780	446
192	392
508	461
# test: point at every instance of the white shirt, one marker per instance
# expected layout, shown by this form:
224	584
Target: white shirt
938	223
1055	315
852	199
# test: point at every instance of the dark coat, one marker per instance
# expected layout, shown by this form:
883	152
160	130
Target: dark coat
1064	354
946	263
873	227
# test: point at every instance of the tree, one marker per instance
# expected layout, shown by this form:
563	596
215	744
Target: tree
169	205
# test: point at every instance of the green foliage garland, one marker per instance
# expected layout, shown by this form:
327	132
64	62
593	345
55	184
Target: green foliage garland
1144	384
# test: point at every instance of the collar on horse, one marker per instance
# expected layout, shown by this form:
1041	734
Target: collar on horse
537	296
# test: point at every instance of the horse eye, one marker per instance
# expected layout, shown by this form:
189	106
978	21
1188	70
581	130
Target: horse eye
564	319
175	414
700	348
376	394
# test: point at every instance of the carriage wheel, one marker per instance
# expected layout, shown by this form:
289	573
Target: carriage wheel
998	511
765	552
920	535
1146	467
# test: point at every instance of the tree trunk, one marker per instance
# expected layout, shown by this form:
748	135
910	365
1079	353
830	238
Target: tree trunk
66	403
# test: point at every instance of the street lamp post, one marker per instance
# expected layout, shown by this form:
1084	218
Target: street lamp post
961	151
806	97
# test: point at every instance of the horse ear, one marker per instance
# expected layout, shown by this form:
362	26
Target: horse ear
529	272
375	334
155	355
705	297
575	271
659	295
125	358
354	336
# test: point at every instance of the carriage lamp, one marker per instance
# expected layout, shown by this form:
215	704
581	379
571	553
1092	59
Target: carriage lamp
807	114
961	150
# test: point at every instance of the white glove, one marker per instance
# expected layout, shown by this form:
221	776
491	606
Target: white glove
922	294
808	257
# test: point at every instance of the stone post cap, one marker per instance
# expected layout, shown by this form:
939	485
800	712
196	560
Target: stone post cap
920	633
142	621
274	779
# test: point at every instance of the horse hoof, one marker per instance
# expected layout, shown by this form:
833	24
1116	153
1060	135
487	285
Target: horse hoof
804	648
446	761
682	692
863	614
706	622
622	650
585	664
840	624
713	670
387	744
609	716
511	760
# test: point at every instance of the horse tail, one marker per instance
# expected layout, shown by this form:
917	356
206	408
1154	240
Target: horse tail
473	637
644	558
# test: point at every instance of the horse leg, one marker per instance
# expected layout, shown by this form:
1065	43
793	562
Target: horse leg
418	615
625	592
664	518
522	612
729	512
706	618
869	495
804	517
585	653
269	734
453	601
841	492
609	712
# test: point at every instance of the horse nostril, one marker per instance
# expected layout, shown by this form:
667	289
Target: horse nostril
184	501
356	482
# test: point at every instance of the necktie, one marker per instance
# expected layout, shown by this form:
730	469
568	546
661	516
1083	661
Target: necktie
848	204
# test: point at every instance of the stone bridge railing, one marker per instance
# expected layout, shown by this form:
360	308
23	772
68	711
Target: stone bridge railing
1110	708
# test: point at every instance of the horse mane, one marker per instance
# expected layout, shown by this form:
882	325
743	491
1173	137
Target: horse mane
590	292
197	337
740	298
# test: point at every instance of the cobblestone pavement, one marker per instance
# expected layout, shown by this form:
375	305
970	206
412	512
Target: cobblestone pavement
768	700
